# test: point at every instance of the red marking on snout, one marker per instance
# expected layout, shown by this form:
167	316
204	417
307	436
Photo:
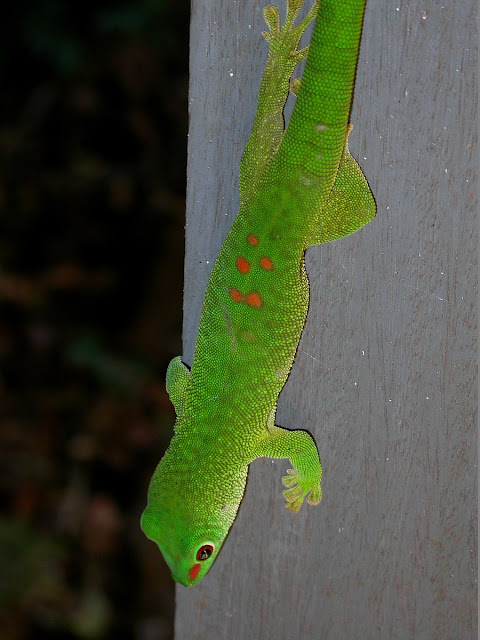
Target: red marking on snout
193	573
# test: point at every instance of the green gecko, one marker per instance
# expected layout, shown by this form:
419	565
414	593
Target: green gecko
299	186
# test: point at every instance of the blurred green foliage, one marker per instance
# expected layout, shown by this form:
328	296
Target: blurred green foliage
92	174
29	564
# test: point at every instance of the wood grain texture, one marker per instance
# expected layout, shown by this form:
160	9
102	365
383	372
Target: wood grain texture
385	376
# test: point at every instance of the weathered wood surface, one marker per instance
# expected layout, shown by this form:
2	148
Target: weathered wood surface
385	376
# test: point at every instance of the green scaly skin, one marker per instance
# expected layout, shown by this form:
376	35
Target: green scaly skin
298	187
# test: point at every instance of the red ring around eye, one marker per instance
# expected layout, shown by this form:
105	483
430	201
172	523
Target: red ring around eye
204	552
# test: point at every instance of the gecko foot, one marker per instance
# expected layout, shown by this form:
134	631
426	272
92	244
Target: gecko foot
298	488
285	38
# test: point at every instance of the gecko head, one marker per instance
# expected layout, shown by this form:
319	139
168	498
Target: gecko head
191	506
189	548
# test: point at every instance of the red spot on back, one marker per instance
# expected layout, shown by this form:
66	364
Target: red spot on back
193	573
266	263
252	240
253	300
235	295
243	265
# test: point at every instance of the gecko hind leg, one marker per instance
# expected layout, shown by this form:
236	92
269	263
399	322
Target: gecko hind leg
350	205
269	125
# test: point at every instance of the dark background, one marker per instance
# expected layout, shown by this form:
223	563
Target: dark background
93	133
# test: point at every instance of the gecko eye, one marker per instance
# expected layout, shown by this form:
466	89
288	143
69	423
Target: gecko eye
205	552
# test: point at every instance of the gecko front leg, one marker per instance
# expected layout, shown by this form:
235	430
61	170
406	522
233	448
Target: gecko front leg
299	446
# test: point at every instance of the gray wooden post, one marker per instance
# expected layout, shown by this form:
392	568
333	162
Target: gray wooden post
385	375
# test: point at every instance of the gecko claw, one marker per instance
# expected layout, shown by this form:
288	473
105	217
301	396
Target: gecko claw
298	488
